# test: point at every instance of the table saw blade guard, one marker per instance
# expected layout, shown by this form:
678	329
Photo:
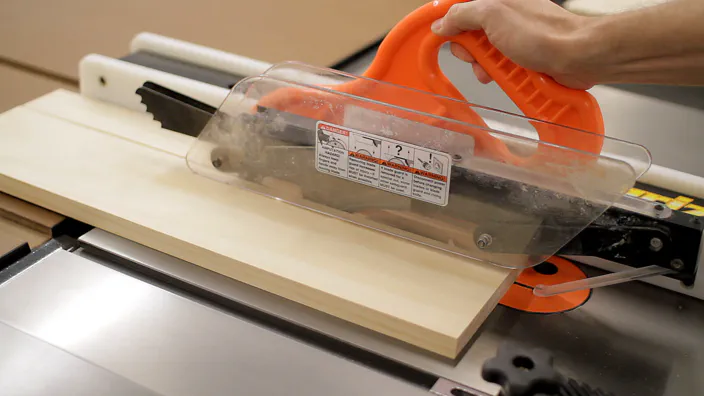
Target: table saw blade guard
322	140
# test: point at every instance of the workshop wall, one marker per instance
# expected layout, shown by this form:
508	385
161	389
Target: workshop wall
20	86
54	35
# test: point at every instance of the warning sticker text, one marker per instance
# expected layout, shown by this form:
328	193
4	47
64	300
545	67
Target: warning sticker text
387	164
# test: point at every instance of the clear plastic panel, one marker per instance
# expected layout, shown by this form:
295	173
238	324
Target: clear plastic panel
500	122
323	140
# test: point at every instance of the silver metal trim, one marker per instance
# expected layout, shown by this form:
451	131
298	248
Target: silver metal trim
656	210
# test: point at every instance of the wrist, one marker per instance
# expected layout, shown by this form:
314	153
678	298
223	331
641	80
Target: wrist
587	51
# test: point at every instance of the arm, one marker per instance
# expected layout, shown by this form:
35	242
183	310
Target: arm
663	44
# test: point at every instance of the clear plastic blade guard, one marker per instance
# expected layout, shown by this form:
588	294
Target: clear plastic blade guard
317	139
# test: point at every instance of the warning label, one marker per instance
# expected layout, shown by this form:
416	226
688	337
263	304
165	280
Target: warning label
387	164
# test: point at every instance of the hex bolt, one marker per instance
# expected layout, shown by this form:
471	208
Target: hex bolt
484	241
656	244
677	264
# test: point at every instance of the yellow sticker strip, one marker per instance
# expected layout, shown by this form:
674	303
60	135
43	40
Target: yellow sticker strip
680	203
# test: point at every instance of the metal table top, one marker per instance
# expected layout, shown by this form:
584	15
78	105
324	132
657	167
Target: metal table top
164	342
32	367
631	339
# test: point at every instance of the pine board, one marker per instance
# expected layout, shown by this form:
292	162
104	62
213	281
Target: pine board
55	35
95	166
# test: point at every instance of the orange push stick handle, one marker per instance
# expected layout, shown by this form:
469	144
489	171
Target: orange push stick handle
539	96
408	56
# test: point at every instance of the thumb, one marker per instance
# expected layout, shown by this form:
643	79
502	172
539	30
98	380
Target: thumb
459	18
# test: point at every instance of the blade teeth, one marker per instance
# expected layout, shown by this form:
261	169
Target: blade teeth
148	102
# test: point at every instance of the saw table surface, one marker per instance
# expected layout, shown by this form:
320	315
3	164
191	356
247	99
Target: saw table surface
222	355
112	311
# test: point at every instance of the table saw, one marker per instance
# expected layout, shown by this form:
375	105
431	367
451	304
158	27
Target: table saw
92	312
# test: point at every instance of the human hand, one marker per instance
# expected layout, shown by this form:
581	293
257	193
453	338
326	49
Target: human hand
538	35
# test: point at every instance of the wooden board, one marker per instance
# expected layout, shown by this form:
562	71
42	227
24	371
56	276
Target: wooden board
23	226
118	171
19	86
28	215
54	35
24	234
8	242
12	248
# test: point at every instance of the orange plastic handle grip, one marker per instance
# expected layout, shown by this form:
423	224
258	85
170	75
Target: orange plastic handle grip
408	56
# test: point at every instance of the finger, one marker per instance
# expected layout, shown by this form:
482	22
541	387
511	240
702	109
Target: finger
482	76
464	55
461	53
459	18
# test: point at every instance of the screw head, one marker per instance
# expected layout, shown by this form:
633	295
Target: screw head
659	207
656	244
456	157
484	241
677	264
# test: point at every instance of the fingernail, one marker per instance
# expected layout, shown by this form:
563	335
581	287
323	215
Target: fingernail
436	26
